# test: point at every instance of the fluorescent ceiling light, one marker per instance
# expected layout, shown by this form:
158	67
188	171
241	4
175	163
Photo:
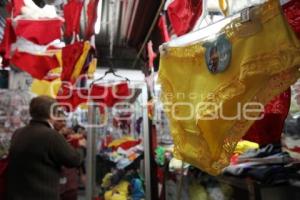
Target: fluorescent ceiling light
98	21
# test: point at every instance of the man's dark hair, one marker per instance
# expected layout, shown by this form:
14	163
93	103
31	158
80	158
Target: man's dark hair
41	107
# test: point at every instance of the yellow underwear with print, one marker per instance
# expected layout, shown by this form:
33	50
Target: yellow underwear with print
265	55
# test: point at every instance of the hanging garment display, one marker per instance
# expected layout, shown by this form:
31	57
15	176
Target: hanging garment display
207	86
92	8
184	14
76	59
71	97
69	57
72	13
45	30
269	129
109	95
292	13
37	66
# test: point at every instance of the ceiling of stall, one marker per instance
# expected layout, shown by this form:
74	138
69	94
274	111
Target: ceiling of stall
128	21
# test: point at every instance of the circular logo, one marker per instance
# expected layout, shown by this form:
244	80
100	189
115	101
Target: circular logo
218	54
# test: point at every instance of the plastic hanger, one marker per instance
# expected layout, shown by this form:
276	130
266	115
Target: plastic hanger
110	71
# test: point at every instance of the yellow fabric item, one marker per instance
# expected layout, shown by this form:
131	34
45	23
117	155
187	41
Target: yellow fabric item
244	146
120	141
197	192
262	66
79	64
57	70
59	57
224	6
42	87
119	192
106	181
92	68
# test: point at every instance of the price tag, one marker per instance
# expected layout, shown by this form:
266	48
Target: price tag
245	15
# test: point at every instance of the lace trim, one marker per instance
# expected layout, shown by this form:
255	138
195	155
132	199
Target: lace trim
281	59
277	63
277	83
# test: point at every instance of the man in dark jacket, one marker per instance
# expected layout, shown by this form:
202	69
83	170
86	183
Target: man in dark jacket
36	156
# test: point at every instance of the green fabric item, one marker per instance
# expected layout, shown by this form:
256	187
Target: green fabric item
160	155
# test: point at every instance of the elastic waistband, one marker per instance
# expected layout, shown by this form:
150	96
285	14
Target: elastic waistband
259	14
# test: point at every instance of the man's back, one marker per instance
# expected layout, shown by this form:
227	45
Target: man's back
36	155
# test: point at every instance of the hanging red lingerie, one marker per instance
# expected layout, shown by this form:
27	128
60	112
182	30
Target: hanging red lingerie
70	55
71	97
110	95
269	128
40	32
183	15
72	13
91	18
37	66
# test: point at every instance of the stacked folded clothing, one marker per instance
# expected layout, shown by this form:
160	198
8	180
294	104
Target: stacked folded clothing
268	165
